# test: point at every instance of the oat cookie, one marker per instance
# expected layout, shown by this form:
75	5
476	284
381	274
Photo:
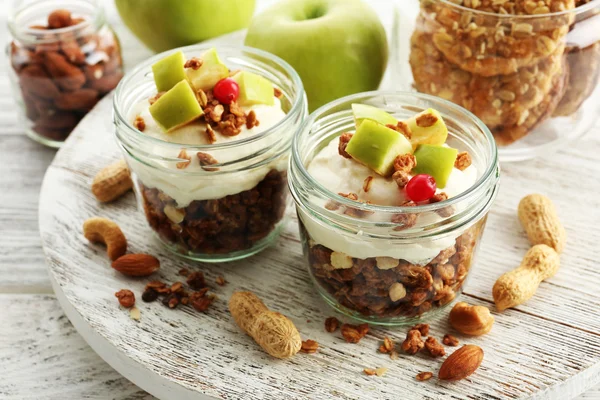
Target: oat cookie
509	134
499	39
497	100
584	66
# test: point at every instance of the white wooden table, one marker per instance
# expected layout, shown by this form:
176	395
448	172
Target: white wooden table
41	354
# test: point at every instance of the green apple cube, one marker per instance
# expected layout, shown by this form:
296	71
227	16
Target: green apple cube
363	111
436	133
211	71
254	89
169	71
377	146
437	161
177	107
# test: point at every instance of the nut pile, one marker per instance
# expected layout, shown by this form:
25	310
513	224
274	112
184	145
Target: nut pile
509	71
64	71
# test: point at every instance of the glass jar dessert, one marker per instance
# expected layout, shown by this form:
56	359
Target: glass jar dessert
528	69
391	215
206	135
64	59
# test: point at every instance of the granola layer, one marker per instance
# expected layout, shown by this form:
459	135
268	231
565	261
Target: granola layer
389	287
219	226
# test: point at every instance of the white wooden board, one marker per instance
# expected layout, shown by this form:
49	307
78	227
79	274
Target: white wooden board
547	348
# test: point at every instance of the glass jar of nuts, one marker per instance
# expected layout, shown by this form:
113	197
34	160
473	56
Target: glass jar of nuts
64	59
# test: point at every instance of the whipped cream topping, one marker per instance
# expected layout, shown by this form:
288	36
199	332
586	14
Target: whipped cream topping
185	188
342	175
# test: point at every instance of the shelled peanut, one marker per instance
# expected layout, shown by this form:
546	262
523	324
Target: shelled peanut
63	69
273	331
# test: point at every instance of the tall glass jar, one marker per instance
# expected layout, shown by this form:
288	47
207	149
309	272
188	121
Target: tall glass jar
233	208
383	264
64	59
528	69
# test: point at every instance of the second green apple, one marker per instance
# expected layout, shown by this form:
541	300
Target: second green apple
338	47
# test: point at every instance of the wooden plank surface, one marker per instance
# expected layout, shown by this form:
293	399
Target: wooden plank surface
45	357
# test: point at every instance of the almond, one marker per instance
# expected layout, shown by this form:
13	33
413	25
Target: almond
67	76
462	363
82	99
136	264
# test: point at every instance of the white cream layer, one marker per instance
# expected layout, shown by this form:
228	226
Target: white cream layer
183	187
342	175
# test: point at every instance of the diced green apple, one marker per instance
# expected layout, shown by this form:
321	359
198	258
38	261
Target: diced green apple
377	146
211	71
177	107
254	89
437	161
169	71
423	133
363	111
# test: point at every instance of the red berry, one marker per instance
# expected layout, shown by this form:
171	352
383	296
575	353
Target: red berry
226	91
421	187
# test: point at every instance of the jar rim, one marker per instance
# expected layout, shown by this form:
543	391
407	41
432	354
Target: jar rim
296	108
577	10
29	35
488	174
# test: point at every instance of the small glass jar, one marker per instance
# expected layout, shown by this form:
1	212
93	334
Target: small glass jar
382	264
529	71
228	210
64	59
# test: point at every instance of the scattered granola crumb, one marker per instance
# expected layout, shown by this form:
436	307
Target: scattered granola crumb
332	205
202	98
401	178
369	371
251	120
200	301
126	298
206	160
367	183
413	342
158	286
434	348
177	287
196	280
450	340
184	272
221	281
350	196
309	346
210	134
422	328
424	376
134	313
380	371
463	161
354	333
139	123
171	301
405	162
426	120
149	295
277	92
183	164
193	63
331	324
154	98
344	139
388	346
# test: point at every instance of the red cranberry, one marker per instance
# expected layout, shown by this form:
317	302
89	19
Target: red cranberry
226	91
421	187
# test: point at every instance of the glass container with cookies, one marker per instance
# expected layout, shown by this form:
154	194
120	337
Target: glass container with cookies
528	69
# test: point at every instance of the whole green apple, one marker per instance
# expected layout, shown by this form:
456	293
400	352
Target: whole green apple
164	24
338	47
